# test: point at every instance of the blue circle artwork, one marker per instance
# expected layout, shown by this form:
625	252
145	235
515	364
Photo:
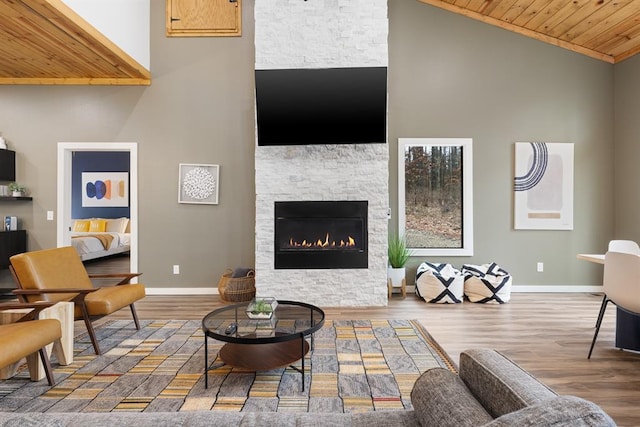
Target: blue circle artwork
97	189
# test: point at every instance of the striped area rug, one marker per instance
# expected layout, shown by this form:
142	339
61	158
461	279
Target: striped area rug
359	365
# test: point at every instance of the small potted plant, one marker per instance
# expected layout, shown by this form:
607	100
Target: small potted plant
261	308
17	190
398	254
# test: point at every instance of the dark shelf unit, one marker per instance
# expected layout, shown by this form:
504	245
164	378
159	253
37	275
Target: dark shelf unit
11	243
15	199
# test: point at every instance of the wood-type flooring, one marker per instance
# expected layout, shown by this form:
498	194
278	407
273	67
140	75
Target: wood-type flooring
547	334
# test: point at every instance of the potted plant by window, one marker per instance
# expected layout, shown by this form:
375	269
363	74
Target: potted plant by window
17	190
398	254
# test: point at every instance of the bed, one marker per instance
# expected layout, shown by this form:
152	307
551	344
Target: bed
100	237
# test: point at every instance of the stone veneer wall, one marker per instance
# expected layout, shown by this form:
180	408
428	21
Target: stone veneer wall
322	34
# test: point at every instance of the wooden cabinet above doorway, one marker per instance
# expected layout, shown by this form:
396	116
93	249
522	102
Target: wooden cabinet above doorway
204	18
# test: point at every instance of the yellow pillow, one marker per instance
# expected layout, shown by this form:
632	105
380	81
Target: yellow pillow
97	225
81	225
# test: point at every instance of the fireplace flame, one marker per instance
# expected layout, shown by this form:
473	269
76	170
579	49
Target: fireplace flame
322	244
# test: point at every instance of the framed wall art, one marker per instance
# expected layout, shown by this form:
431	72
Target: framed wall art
105	189
198	183
543	186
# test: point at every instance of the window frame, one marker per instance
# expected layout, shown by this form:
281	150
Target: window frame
467	193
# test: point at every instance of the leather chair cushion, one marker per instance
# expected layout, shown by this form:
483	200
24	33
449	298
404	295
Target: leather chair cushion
108	300
18	340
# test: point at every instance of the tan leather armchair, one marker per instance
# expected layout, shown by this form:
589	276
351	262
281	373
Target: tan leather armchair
59	275
28	336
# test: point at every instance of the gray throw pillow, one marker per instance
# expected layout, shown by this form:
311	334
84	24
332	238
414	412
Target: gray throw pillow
241	272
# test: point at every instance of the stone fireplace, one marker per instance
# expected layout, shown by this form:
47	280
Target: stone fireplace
313	234
317	34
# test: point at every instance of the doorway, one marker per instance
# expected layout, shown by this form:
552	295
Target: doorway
64	207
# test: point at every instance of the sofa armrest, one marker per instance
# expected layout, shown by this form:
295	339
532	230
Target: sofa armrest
500	385
440	398
557	411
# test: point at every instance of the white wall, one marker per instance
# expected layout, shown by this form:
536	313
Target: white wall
124	22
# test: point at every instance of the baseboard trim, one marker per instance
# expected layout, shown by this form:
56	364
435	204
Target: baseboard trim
556	289
181	291
410	289
543	289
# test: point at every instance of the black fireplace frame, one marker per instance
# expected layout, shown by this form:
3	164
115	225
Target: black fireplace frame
322	259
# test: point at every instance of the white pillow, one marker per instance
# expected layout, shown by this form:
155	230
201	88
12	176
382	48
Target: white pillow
117	225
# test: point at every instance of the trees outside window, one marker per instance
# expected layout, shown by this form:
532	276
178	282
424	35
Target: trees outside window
435	199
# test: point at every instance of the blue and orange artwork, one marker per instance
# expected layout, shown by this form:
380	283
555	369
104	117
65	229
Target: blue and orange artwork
105	189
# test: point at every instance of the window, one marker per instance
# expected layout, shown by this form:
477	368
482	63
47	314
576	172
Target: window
435	195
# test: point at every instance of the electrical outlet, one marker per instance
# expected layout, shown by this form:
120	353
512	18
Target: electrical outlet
49	215
540	267
176	269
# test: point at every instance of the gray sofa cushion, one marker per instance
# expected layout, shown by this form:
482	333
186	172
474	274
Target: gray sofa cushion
384	419
558	411
499	384
440	398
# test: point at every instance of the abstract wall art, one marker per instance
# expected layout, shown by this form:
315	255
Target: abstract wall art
198	184
105	189
543	186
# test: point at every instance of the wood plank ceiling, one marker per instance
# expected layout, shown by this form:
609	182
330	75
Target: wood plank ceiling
45	42
608	30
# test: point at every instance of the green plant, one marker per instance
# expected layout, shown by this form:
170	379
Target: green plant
14	186
261	306
398	252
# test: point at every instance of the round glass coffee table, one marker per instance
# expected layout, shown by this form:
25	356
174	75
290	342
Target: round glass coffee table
262	344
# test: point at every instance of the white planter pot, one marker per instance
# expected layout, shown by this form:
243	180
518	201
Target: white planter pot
396	275
16	194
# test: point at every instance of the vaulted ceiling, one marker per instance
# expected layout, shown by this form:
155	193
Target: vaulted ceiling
45	42
608	30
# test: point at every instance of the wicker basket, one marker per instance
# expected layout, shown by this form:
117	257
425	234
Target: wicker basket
237	289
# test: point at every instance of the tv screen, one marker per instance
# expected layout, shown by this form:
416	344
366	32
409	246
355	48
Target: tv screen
321	106
7	165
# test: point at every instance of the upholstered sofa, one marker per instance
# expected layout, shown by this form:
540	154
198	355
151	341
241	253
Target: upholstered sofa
490	390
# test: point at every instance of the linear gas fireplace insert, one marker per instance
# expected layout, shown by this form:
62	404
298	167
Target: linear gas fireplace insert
321	234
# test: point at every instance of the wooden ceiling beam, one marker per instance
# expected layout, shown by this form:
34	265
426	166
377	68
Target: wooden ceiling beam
46	42
520	30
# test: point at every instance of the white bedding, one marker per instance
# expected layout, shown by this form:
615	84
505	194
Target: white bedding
90	248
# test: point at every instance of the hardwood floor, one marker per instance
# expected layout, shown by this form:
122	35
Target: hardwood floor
547	334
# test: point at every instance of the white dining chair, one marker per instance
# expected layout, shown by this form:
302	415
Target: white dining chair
624	246
621	284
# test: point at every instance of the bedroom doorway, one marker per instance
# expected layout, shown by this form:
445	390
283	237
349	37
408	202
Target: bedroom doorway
64	199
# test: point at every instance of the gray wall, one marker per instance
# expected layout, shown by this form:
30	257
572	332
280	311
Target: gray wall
449	76
454	77
627	149
199	109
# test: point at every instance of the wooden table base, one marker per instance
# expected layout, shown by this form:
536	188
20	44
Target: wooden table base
264	357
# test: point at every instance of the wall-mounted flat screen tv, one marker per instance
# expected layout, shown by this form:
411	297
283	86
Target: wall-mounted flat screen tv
321	106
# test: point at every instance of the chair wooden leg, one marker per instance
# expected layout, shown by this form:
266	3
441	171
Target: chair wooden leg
47	366
90	331
603	308
135	316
